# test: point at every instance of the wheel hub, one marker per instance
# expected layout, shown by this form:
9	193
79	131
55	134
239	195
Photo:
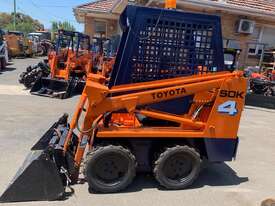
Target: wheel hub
111	168
177	167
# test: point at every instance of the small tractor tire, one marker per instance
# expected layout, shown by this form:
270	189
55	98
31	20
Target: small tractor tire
109	169
40	52
177	167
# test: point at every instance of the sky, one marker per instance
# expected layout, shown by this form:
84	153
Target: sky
46	11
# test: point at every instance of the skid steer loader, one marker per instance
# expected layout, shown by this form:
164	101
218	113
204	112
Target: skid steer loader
104	57
169	77
70	63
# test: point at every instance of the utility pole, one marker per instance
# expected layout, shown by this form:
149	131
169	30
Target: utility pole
14	15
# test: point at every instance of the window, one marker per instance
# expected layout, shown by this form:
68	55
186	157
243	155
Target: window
256	35
228	59
269	37
100	28
255	48
263	38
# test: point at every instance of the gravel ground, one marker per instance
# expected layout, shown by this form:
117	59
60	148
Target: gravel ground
244	182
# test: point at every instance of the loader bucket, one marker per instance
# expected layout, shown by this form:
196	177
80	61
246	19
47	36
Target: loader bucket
58	88
39	178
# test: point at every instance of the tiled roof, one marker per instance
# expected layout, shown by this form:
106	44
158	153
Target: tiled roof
99	5
265	5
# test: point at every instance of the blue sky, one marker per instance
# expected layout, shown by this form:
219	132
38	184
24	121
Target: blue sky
46	10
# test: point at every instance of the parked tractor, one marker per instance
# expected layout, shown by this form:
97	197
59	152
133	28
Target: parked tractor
181	105
70	64
103	60
104	51
18	45
43	42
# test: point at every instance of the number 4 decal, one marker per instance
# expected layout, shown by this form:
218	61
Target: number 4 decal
228	107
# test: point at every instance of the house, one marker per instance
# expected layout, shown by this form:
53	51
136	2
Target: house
100	18
248	25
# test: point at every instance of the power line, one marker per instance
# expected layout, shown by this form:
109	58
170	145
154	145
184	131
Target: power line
35	5
54	6
27	13
43	10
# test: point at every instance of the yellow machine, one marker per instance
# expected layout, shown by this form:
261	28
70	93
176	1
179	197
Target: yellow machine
168	105
18	45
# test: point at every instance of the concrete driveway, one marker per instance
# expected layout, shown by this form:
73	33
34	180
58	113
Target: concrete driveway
245	182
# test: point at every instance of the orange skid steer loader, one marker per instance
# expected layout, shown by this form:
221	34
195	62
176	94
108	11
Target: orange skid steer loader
104	57
169	77
70	64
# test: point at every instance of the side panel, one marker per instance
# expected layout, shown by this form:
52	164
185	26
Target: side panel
225	115
220	150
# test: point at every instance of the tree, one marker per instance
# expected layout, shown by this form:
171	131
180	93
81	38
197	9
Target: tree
24	23
56	25
66	25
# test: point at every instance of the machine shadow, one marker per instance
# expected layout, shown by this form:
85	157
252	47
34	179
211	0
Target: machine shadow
212	175
218	175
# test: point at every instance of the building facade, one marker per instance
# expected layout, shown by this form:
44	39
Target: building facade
248	25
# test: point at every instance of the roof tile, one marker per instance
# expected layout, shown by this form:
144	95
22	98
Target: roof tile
264	5
99	5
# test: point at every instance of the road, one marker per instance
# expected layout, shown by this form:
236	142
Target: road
244	182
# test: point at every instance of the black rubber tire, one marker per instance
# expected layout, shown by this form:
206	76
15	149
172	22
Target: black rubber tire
96	184
40	51
173	158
